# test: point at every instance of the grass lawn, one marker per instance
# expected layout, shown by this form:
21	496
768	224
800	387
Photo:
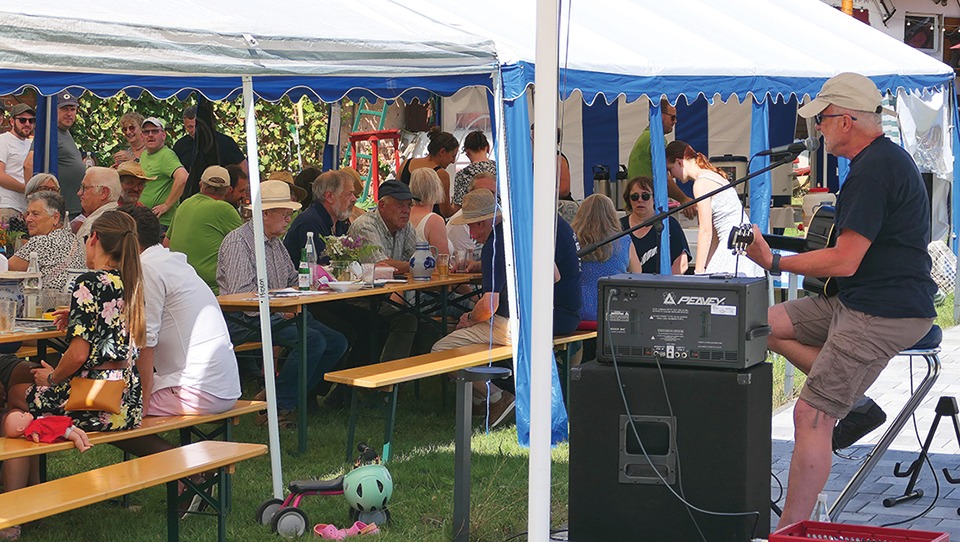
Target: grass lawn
422	469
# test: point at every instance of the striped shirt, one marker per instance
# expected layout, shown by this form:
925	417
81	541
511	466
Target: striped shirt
236	265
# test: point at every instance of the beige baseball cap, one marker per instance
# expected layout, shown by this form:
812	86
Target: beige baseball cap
215	176
849	90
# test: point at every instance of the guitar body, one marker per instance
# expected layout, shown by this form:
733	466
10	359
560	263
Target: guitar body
820	234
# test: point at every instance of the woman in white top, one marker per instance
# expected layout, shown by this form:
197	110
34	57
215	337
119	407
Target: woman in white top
717	215
425	185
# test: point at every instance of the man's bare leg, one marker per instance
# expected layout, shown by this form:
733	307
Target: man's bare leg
811	461
783	340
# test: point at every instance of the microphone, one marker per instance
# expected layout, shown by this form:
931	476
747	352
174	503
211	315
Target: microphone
794	148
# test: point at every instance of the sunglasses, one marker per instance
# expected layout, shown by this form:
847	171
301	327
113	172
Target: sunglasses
25	120
818	118
637	197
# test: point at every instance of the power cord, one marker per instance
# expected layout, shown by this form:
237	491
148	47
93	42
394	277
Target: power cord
636	434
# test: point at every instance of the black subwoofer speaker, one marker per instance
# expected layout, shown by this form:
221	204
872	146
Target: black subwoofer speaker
716	442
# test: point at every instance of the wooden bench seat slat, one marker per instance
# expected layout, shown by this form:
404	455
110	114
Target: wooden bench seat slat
576	336
247	347
64	494
20	447
435	363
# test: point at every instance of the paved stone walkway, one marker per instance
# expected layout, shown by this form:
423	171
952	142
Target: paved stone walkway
890	392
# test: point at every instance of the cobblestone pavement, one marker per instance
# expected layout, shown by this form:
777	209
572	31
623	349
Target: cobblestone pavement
891	392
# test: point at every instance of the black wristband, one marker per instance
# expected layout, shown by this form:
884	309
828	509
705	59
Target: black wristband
775	264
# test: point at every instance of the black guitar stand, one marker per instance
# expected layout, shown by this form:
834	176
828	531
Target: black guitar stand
946	406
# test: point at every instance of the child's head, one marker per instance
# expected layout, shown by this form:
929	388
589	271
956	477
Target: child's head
15	422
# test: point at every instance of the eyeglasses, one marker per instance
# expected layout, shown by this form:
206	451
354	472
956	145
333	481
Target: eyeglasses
84	187
151	131
286	214
818	118
26	120
645	196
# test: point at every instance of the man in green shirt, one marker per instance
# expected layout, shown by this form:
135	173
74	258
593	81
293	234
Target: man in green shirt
162	196
640	163
202	222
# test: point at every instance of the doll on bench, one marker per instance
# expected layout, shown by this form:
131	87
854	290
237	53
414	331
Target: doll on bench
47	429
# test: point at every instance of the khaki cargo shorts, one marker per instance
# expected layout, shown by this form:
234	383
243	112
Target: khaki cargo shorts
856	347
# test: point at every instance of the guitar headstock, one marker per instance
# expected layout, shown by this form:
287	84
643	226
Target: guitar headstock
740	238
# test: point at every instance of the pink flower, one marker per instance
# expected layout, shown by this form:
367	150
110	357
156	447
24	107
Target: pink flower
110	310
82	295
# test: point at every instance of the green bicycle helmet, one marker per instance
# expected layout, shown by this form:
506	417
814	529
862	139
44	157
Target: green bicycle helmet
368	488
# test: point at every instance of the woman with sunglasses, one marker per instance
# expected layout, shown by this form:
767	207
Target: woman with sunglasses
717	215
130	127
638	196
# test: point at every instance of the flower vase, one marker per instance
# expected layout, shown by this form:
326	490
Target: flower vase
345	270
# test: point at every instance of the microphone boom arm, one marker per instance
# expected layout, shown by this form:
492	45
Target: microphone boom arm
788	158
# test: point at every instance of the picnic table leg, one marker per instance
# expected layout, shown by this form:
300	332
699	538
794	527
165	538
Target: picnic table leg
173	517
352	426
302	399
223	494
391	416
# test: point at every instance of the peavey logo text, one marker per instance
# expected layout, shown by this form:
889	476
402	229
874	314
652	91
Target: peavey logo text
670	299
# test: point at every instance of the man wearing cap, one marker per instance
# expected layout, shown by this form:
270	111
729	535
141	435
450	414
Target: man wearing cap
388	226
329	214
202	222
490	318
14	149
99	193
236	273
70	166
132	182
162	196
885	303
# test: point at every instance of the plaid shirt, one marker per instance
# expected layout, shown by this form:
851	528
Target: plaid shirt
398	246
236	264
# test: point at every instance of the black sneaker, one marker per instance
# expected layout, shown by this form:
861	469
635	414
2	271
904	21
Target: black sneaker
856	425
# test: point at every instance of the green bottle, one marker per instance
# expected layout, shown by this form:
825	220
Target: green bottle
303	278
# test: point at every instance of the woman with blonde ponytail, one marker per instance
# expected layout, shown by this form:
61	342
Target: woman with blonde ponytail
717	215
104	325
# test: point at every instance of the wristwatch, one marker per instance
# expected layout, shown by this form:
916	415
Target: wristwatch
50	379
775	264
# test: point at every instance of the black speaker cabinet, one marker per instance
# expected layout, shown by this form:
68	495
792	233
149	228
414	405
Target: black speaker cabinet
716	443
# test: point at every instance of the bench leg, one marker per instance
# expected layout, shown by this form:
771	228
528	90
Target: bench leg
173	517
391	416
223	499
352	426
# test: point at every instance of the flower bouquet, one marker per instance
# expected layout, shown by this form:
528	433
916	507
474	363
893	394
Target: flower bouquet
343	251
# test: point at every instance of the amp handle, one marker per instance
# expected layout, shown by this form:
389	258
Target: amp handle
759	331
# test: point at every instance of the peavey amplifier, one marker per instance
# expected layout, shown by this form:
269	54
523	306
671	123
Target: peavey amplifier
682	320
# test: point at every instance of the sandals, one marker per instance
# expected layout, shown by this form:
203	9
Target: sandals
10	533
286	419
330	532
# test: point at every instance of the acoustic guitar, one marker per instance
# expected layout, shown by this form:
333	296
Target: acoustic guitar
820	234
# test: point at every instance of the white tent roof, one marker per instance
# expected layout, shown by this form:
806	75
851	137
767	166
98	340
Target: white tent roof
62	42
636	47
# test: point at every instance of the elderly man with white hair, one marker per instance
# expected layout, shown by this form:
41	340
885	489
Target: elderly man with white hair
99	192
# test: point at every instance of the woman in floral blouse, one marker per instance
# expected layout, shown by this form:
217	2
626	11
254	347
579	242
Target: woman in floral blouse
104	322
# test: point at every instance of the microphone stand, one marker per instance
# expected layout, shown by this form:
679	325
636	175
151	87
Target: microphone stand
787	158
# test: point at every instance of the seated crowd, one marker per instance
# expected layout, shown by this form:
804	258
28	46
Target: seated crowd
145	312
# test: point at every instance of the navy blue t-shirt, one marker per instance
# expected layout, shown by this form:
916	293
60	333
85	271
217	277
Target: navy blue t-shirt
884	200
567	293
567	296
648	246
314	218
494	269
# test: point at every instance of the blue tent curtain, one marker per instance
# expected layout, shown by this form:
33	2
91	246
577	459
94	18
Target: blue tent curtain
46	129
601	141
520	167
760	185
658	159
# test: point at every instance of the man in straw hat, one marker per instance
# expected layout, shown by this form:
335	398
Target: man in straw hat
203	221
132	182
885	303
236	273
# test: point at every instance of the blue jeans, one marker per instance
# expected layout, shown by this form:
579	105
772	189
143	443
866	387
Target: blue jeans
325	347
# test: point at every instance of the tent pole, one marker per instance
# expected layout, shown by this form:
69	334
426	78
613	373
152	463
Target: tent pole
261	260
544	219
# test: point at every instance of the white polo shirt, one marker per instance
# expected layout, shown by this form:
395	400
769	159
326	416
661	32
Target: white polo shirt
186	327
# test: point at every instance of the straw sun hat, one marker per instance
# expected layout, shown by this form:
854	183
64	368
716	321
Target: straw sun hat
276	195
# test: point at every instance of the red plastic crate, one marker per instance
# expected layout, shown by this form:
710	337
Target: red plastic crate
844	532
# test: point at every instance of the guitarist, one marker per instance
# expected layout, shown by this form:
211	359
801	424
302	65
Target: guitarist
885	303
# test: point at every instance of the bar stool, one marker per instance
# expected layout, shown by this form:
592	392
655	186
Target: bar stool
927	348
374	137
